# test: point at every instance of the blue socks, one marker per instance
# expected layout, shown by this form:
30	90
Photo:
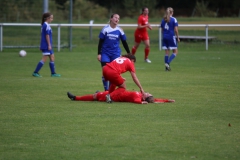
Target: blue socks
52	67
105	84
41	63
169	60
166	58
39	66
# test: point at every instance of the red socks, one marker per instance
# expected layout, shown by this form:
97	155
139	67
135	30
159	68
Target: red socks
134	50
147	50
88	97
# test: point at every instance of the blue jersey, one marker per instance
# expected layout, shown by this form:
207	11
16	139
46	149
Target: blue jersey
45	30
111	37
168	28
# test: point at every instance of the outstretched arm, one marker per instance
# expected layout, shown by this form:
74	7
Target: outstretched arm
135	79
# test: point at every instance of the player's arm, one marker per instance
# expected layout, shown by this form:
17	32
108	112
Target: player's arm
125	45
100	43
144	26
144	102
48	42
135	79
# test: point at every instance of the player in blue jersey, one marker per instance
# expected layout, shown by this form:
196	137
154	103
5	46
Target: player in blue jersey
108	46
170	34
46	46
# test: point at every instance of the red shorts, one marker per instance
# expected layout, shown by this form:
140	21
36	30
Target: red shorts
139	36
101	96
112	76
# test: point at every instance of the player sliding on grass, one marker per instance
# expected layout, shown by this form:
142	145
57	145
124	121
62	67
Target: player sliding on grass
120	95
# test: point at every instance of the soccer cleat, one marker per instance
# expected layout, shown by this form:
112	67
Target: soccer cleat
167	66
108	98
71	96
36	75
147	60
55	75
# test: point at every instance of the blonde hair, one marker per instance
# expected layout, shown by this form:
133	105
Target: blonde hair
168	12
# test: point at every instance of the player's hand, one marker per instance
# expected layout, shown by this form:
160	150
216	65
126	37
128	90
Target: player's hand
142	91
99	57
144	102
149	27
49	47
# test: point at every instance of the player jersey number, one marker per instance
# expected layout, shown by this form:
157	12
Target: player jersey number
166	26
120	60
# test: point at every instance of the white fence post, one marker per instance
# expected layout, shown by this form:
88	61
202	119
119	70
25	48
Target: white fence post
206	28
59	37
1	37
160	38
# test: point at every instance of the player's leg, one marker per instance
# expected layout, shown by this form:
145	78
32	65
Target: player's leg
39	66
147	50
104	81
88	97
165	46
173	47
174	54
52	65
137	41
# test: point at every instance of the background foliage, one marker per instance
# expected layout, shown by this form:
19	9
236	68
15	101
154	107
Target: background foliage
31	10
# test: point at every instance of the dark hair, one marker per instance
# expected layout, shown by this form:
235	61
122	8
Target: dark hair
45	16
113	15
143	9
150	99
130	56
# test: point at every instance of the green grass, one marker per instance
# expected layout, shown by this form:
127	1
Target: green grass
38	121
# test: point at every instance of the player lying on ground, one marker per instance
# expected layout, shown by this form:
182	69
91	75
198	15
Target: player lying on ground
120	95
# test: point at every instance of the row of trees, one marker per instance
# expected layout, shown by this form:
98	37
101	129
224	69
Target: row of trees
31	10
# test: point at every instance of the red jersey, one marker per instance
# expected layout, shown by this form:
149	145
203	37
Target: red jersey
142	20
122	95
122	65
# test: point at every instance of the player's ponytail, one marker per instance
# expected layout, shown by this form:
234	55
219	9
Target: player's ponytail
45	16
168	13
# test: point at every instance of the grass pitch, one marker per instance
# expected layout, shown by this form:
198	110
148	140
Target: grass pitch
38	121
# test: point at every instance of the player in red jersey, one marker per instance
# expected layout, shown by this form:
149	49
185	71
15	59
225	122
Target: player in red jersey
112	72
141	34
120	95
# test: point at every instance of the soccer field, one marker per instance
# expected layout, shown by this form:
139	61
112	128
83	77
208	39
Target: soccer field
38	121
